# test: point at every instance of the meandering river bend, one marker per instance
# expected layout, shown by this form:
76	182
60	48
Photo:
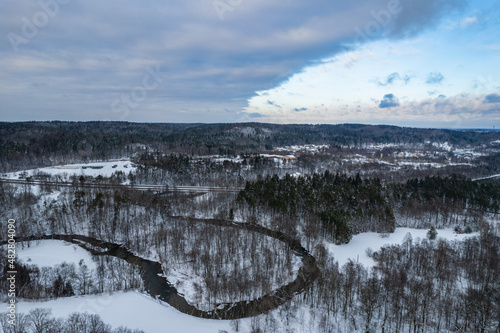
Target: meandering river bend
159	287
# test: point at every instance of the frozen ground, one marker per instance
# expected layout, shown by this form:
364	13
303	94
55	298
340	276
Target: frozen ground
131	309
47	198
86	169
49	253
356	249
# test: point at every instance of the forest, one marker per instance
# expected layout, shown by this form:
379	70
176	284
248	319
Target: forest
223	247
34	144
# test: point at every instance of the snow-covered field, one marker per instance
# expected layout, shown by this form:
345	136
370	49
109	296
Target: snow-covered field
105	169
356	249
131	309
49	253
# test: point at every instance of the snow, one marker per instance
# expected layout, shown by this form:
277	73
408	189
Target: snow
86	169
137	310
185	281
131	309
397	164
356	249
49	253
219	158
48	198
443	145
428	165
489	177
306	148
379	146
185	285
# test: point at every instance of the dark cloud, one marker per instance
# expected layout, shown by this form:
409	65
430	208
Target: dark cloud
492	98
90	53
434	78
389	101
416	16
299	110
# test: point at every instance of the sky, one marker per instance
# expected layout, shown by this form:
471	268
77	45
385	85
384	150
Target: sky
421	63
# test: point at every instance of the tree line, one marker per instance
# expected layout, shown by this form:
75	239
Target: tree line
27	145
40	320
348	205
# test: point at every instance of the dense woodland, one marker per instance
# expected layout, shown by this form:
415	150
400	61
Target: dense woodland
35	144
423	285
444	286
351	205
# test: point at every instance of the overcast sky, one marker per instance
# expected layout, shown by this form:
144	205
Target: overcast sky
424	63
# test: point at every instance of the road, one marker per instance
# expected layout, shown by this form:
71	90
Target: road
159	188
485	178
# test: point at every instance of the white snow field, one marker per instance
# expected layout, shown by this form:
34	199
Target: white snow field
49	253
356	249
105	169
131	309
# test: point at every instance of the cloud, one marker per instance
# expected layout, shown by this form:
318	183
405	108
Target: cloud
491	47
255	115
392	78
90	52
389	101
416	16
463	23
455	111
492	98
434	78
468	21
299	110
273	104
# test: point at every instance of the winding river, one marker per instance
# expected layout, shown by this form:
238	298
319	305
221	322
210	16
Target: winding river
159	287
